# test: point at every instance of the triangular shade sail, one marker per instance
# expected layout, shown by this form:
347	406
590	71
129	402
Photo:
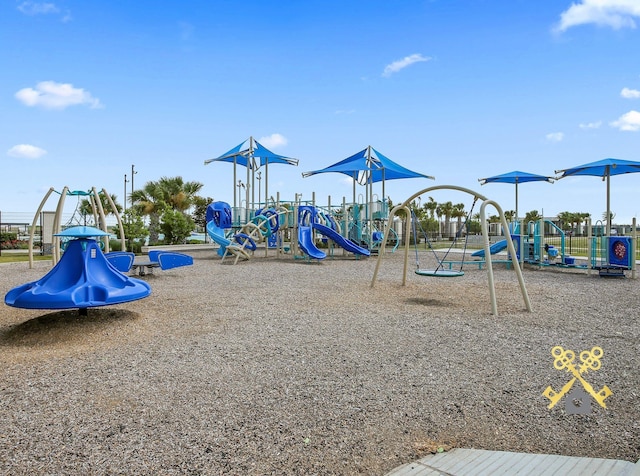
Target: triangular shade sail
247	152
349	166
252	155
369	166
238	155
383	168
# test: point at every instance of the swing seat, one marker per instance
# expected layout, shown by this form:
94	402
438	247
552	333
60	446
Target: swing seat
440	273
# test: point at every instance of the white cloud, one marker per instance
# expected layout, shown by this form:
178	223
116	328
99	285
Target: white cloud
26	151
37	8
630	93
628	122
403	63
43	8
591	125
52	95
555	136
616	14
273	141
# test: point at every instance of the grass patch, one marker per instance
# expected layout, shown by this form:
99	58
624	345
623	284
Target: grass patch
17	257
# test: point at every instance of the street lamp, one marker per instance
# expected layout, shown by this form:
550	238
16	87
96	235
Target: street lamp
259	177
125	192
132	174
240	186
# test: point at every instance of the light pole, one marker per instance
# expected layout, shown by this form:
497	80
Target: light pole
132	174
125	192
240	187
259	177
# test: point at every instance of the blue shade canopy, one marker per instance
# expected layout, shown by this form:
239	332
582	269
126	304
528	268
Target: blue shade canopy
515	178
604	168
238	155
265	156
370	166
383	168
250	153
350	166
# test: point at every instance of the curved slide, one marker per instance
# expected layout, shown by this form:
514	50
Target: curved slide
495	248
340	240
217	235
305	241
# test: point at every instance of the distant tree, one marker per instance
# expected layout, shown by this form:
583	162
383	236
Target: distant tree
533	215
584	217
509	215
445	209
566	220
612	215
177	193
459	214
86	208
167	193
176	226
149	201
431	207
134	229
200	205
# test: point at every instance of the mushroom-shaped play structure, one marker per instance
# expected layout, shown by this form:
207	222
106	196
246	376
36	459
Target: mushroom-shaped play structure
82	278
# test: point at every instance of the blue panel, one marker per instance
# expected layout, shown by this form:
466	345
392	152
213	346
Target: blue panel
619	251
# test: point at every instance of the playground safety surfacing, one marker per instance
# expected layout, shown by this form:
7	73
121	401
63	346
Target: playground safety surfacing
472	462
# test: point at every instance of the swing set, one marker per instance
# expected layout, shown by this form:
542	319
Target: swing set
440	271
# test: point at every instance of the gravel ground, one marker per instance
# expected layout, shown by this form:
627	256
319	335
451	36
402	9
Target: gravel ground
279	366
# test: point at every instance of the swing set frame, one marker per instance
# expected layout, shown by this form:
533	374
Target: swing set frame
440	271
408	216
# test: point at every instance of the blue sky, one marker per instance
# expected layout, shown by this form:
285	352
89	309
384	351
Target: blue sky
456	89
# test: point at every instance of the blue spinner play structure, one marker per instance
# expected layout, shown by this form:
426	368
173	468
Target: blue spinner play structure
82	278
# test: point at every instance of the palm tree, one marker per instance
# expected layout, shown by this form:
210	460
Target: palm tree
459	213
611	216
583	217
566	220
509	215
149	200
177	193
154	197
446	210
86	207
533	215
431	206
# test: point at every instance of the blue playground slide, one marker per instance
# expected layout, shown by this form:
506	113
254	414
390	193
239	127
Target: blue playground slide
495	248
305	241
348	245
217	235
